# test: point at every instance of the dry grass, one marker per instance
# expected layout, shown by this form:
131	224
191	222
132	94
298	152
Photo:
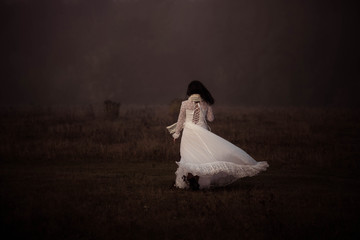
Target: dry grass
68	173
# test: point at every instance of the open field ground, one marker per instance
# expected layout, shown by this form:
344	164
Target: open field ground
69	173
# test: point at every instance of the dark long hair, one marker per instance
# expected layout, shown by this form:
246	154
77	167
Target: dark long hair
196	87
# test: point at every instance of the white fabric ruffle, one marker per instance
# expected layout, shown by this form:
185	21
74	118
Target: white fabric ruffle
220	173
216	161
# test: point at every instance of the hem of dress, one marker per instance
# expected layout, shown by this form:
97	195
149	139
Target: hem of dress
235	171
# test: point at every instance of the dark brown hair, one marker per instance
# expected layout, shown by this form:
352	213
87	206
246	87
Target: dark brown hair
196	87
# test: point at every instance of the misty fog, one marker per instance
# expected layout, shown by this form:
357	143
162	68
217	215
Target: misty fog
247	52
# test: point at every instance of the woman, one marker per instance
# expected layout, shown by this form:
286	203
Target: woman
207	160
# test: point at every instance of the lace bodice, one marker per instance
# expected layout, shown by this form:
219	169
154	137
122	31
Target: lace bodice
196	112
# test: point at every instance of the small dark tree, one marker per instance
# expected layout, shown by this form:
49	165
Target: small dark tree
111	109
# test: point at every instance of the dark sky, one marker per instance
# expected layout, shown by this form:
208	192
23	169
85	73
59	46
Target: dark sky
247	52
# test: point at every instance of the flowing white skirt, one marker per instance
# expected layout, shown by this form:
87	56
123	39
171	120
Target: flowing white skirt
216	161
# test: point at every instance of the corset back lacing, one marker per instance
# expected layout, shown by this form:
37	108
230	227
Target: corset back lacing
196	115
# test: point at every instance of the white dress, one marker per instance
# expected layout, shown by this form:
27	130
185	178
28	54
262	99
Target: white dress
216	161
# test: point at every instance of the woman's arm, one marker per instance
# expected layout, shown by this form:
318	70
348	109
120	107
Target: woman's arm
180	121
210	114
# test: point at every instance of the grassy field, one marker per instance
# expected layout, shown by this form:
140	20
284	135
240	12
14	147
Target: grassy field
68	173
